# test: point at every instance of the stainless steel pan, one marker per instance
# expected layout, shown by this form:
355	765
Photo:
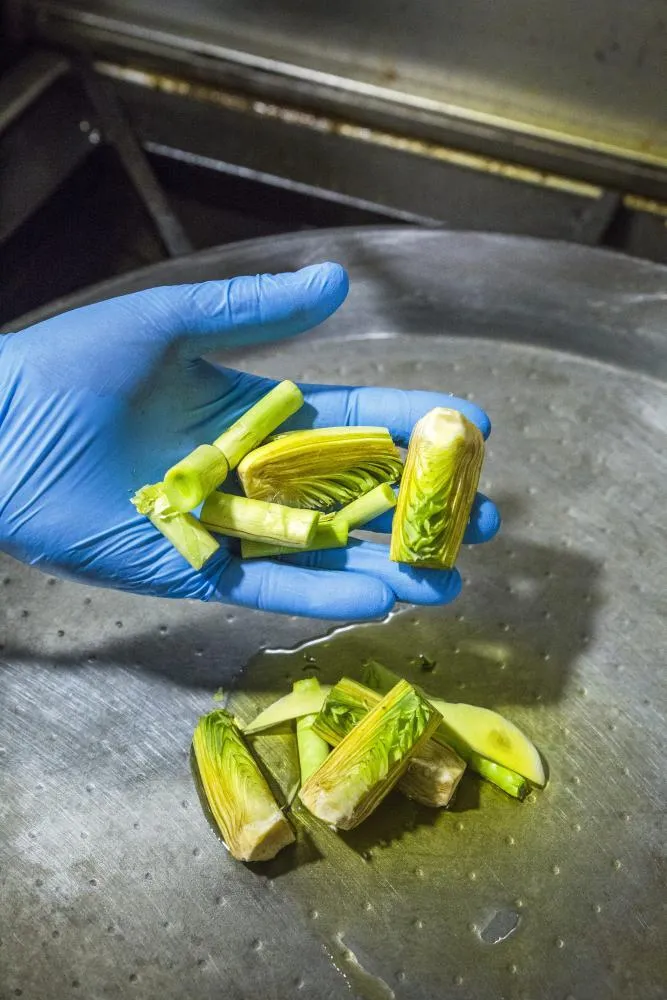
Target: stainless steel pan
113	883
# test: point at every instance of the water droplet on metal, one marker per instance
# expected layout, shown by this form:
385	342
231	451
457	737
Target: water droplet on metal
501	925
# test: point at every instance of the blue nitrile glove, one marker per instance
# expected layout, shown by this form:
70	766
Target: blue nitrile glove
96	402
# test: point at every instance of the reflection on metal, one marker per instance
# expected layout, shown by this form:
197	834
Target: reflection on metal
176	85
471	161
273	180
500	925
560	75
359	981
323	123
636	203
205	93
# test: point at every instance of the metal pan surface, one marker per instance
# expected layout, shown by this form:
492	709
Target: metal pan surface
113	883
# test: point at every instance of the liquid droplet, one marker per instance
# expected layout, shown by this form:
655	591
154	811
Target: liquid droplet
501	925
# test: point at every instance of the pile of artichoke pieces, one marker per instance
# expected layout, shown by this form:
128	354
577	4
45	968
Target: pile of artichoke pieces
308	490
355	742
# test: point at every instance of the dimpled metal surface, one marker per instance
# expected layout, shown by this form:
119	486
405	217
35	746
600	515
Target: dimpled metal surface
113	884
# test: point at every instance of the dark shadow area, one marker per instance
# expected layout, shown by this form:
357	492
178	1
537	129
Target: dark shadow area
510	639
466	796
393	818
302	852
79	237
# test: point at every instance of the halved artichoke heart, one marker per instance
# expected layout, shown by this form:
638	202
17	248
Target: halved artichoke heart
363	768
321	468
437	489
252	824
432	774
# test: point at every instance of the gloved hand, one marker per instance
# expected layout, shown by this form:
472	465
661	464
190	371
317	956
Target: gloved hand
98	401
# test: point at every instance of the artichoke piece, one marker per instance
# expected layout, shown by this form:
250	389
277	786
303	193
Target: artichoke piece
491	745
252	824
290	706
329	535
313	750
366	507
191	480
437	490
367	763
333	529
432	775
258	520
322	468
184	531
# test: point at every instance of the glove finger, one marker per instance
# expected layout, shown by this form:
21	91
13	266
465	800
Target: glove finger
215	315
291	590
483	524
397	409
368	559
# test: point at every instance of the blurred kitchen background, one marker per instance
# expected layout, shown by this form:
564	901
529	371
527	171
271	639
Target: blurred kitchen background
131	131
